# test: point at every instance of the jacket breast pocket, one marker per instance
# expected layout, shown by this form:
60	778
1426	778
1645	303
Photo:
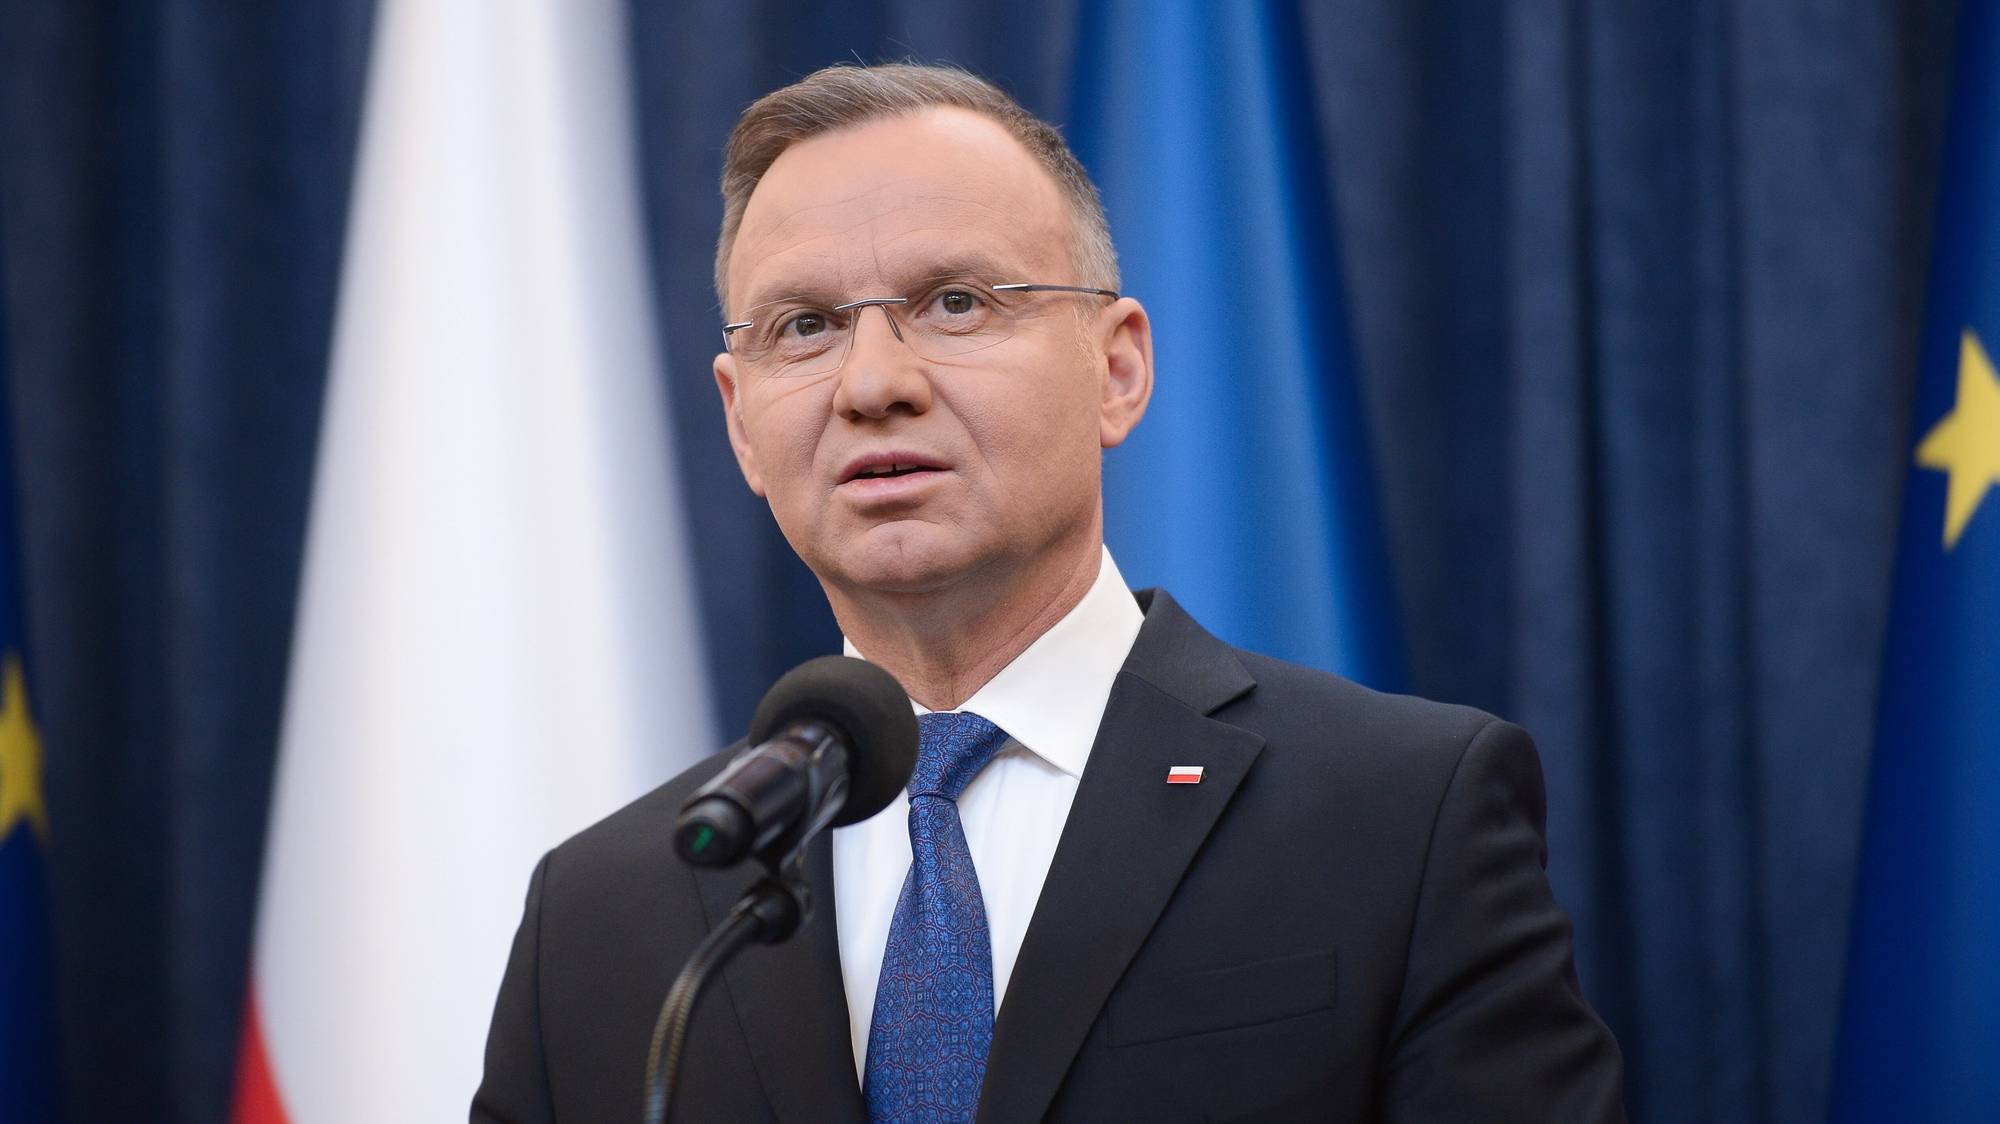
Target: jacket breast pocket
1151	1010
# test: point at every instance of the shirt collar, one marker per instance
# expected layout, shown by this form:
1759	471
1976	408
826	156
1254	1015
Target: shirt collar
1051	698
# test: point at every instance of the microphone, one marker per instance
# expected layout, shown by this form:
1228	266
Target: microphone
831	744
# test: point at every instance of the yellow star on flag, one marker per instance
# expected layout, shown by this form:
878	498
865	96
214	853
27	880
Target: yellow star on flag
1966	442
20	758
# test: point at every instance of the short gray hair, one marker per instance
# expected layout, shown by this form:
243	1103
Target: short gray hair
838	97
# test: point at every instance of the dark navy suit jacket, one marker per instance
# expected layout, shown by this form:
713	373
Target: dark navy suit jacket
1347	919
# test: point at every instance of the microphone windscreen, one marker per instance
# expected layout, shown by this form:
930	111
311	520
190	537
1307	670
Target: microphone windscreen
872	713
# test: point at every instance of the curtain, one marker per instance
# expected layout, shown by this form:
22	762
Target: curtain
1637	291
173	183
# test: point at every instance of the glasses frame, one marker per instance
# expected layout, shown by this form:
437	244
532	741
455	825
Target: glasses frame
729	330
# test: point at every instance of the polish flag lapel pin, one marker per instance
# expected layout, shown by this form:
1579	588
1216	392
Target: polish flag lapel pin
1184	774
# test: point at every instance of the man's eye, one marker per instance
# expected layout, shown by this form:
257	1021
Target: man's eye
804	324
957	302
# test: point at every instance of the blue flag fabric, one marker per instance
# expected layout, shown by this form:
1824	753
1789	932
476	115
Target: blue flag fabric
1247	490
28	1079
1920	1035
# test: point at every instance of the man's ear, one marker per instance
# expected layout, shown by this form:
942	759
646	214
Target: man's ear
1127	335
732	413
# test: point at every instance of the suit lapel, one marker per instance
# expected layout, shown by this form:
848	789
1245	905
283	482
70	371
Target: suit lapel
792	1006
1129	838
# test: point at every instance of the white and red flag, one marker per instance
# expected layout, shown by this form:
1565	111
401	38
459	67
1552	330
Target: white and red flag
496	642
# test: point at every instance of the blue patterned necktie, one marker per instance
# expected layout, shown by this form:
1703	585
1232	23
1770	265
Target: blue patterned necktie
933	1016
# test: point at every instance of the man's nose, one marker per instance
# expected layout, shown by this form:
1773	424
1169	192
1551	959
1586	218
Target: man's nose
881	375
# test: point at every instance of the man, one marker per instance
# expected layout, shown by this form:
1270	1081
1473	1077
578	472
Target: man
1345	914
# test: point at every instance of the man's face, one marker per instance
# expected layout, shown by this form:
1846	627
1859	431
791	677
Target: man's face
1007	439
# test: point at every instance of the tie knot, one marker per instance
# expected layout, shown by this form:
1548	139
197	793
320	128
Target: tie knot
953	747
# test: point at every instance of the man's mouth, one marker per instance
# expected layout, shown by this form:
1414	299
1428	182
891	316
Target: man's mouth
882	471
887	466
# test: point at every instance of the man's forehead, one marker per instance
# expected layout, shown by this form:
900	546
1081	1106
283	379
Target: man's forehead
893	200
920	237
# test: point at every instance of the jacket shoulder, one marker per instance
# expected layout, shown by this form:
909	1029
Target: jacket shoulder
1296	705
1328	720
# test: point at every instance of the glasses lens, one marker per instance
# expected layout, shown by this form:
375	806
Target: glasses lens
953	317
787	339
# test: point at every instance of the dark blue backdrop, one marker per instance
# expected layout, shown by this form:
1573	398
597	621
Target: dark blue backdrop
1633	293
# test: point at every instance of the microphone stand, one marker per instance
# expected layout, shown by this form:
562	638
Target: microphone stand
769	912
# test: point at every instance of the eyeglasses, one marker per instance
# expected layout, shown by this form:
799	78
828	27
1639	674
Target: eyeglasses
943	319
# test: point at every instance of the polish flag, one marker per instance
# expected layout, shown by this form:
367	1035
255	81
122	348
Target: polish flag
1184	774
496	642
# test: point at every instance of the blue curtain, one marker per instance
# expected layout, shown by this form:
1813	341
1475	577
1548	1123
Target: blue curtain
1632	294
173	184
1248	489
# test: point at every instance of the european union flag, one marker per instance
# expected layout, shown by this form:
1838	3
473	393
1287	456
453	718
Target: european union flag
28	1078
1247	490
1920	1038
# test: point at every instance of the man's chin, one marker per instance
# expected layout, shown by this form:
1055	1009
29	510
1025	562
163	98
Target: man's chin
902	576
904	564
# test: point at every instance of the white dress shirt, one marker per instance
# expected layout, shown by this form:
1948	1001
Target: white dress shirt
1049	701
